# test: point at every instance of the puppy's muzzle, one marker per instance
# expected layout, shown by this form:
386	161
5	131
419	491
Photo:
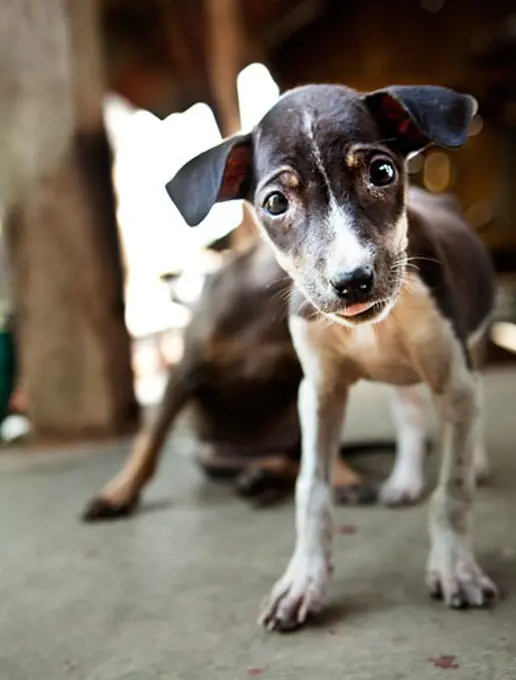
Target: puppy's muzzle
355	286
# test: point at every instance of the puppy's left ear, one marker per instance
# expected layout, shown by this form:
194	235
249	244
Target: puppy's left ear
222	173
415	116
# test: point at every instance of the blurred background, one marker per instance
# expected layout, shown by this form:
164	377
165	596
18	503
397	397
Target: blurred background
102	101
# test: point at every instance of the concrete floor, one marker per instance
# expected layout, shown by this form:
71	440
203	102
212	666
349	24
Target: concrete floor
173	592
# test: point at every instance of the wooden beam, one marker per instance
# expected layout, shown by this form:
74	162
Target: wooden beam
225	48
226	56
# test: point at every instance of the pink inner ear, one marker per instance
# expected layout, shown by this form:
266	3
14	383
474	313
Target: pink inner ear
403	125
235	173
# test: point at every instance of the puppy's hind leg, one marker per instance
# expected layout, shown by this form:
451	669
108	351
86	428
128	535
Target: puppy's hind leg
406	481
119	497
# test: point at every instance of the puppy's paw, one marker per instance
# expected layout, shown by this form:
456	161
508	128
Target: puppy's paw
402	488
300	592
101	509
454	576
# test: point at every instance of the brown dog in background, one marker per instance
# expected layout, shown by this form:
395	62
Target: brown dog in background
240	374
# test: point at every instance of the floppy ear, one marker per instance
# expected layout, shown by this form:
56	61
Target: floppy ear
222	173
415	116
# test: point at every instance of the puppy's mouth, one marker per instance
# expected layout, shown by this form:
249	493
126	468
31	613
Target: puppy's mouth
363	311
357	309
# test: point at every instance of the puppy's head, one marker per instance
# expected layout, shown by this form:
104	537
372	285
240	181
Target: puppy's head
325	172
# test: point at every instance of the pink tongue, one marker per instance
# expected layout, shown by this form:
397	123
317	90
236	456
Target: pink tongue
353	310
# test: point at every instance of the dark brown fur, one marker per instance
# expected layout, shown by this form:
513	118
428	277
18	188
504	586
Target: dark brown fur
451	260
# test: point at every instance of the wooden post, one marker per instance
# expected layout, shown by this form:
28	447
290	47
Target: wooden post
64	252
225	55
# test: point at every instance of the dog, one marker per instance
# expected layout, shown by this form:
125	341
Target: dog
240	375
390	284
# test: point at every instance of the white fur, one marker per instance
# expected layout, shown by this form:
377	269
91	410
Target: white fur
301	589
348	252
405	484
316	152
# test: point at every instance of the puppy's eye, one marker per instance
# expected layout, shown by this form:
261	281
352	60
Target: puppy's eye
381	172
276	204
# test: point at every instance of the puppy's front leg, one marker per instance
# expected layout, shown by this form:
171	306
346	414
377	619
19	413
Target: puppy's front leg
453	572
322	400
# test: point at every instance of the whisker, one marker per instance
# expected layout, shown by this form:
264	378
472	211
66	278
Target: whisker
328	321
283	294
423	259
303	303
404	265
279	279
386	139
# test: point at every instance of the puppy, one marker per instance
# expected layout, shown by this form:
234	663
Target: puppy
390	284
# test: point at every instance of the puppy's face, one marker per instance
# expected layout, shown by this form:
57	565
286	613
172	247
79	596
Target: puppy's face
330	197
325	172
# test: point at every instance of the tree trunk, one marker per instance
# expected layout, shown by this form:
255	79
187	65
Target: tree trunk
66	272
36	114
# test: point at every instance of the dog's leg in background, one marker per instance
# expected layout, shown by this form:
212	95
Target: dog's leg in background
453	572
406	481
322	401
120	496
349	486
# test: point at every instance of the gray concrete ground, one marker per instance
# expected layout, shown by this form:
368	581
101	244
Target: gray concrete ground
173	592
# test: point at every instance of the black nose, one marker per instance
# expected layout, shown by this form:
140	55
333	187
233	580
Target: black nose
353	286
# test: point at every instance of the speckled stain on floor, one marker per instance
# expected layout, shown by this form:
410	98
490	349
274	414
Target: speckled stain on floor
173	592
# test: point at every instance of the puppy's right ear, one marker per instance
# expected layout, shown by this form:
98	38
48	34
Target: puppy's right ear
222	173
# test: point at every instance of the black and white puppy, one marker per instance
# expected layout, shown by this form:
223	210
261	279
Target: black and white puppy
390	284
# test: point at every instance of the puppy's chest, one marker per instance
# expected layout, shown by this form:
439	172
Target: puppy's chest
378	353
391	350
